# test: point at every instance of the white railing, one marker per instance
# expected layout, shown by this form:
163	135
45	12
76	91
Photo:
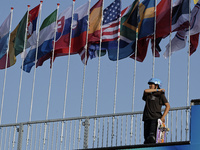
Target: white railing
78	133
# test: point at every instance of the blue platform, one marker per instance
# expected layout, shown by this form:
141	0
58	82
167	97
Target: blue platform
192	144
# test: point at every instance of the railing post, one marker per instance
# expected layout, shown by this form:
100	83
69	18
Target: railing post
20	136
86	125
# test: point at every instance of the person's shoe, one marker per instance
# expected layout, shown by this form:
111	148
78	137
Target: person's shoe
151	139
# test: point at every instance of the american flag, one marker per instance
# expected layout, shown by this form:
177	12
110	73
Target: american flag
110	28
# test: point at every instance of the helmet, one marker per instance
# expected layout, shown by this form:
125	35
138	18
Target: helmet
155	81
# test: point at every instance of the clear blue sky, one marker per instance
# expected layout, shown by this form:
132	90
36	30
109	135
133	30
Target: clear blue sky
178	84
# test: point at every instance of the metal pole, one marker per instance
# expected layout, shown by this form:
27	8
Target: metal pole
86	125
20	136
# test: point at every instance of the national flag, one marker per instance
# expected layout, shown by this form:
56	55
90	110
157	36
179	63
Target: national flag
194	41
46	36
11	53
4	36
142	47
181	36
163	18
146	18
195	1
145	28
79	33
63	30
127	33
95	52
110	29
180	15
165	25
21	29
177	43
95	18
17	37
94	31
32	24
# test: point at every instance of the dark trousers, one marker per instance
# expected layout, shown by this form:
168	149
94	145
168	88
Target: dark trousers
150	129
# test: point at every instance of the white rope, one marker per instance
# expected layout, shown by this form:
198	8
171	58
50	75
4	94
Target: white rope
67	76
33	86
49	93
5	75
98	76
154	48
83	84
20	85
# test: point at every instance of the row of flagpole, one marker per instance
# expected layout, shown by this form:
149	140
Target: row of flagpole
84	73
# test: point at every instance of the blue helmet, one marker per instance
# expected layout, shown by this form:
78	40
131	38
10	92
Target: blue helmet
155	81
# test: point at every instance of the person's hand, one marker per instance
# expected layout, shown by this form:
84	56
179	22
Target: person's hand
162	119
161	90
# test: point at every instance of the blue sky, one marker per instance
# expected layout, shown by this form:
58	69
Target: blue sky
178	82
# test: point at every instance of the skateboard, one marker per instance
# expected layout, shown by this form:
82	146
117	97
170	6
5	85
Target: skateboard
161	132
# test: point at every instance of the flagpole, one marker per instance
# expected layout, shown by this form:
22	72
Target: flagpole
98	76
33	86
169	61
7	53
25	38
67	76
154	49
83	84
188	74
134	76
116	83
20	85
5	75
49	93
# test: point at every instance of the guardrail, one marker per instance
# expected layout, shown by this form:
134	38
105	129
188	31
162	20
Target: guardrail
109	130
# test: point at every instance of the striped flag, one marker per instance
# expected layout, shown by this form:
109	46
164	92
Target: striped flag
110	29
47	30
17	37
4	36
180	15
195	1
79	33
179	41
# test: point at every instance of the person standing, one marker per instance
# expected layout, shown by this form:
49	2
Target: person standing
154	98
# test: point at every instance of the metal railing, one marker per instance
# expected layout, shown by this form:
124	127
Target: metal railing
111	130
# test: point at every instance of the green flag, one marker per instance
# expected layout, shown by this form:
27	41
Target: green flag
20	36
129	22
